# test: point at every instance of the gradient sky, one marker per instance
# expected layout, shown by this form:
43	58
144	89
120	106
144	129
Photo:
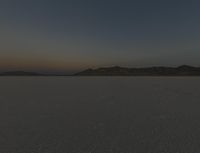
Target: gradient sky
70	35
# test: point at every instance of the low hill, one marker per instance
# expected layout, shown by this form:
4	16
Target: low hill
20	73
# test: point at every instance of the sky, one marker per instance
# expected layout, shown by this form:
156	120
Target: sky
71	35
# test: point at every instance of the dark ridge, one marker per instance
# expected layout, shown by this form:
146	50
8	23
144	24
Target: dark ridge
20	73
184	70
27	73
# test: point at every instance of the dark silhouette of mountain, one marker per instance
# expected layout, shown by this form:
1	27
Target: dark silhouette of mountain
20	73
27	73
183	70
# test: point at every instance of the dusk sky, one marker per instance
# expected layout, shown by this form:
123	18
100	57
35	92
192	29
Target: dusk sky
71	35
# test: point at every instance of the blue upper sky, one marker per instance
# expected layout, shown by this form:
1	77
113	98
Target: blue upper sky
69	35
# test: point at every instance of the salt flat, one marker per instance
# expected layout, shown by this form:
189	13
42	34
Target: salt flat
99	115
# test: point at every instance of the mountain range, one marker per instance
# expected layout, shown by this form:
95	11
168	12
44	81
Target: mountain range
184	70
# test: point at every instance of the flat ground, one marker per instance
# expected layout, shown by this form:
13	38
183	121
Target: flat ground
99	115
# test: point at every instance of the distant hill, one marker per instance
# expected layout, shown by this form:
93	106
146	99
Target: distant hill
20	73
183	70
